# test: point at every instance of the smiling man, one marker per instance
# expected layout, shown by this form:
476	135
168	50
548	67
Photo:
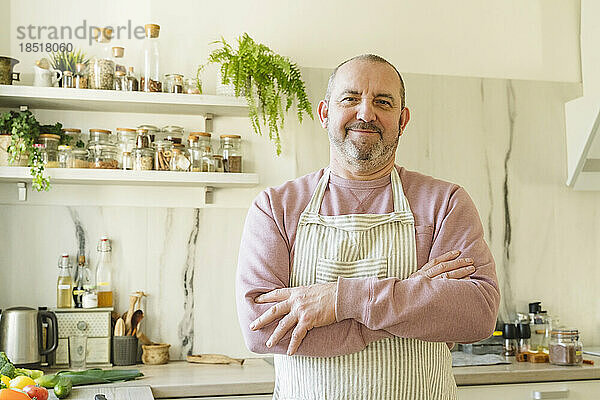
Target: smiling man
358	276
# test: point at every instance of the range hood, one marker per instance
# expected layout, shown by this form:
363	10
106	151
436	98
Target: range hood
582	115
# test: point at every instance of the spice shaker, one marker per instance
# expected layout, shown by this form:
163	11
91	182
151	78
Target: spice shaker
524	335
509	334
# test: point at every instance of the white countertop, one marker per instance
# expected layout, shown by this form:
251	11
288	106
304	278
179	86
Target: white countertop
256	376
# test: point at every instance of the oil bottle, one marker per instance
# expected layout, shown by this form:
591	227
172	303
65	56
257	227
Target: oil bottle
104	273
64	283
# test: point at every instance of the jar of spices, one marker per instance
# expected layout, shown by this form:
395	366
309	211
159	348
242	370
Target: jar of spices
80	79
203	139
102	151
192	86
132	82
173	83
120	81
125	142
126	161
50	141
118	53
194	153
65	156
102	68
49	157
142	154
218	163
152	131
163	154
150	79
565	348
80	158
231	150
179	161
67	79
172	133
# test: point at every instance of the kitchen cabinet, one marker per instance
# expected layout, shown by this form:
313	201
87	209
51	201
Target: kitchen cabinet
571	390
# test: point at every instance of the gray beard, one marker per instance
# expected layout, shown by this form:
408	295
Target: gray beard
365	158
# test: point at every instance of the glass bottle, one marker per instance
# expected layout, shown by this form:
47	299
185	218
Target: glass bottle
125	142
78	289
132	82
194	153
173	83
231	150
117	53
67	80
102	68
120	81
524	335
64	284
104	273
509	334
150	79
65	156
80	79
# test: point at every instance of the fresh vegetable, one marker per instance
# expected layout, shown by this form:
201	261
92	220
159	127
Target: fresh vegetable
63	388
6	367
12	394
20	382
32	373
5	381
90	376
36	392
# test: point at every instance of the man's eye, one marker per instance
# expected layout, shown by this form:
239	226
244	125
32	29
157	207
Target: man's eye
384	102
349	99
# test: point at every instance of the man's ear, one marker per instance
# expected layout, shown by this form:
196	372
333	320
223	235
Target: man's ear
404	118
323	111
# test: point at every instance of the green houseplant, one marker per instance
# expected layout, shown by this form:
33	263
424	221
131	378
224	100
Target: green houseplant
24	130
269	82
67	60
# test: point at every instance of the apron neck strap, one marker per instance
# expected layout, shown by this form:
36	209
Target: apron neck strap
398	198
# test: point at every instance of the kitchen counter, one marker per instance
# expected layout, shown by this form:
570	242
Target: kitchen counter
256	376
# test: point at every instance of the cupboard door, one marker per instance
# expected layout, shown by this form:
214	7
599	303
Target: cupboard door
570	390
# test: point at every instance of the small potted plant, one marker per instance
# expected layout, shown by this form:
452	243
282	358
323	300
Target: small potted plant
24	131
67	61
269	82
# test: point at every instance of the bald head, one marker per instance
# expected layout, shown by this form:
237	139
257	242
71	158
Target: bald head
368	58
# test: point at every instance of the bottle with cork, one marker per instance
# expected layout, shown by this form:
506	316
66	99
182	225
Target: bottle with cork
64	283
104	267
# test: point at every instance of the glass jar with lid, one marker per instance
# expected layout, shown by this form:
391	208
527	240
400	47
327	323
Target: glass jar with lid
218	163
192	86
74	135
100	136
173	83
163	154
102	151
179	161
65	156
194	153
207	160
203	139
564	347
120	82
102	68
118	53
80	158
231	150
125	142
50	141
173	133
142	154
80	78
152	131
67	80
49	157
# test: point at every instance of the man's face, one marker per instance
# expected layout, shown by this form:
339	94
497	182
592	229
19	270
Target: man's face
363	114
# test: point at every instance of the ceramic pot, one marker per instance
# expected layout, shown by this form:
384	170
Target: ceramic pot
7	76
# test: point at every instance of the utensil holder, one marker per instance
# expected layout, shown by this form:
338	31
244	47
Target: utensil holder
125	350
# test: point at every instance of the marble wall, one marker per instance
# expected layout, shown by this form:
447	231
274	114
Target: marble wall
502	140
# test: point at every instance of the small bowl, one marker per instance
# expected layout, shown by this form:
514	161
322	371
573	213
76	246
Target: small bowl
155	354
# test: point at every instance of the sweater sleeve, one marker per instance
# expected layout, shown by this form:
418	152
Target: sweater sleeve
264	265
440	310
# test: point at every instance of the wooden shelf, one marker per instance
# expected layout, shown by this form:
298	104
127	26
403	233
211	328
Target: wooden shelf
51	98
132	178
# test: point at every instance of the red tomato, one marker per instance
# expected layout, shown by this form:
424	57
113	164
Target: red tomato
10	394
36	392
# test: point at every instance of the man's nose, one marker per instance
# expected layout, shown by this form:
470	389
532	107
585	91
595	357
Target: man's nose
366	112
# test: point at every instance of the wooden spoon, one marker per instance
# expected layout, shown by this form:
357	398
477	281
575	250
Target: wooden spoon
135	321
132	300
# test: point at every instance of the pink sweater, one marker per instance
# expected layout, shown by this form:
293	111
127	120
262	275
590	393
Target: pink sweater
369	309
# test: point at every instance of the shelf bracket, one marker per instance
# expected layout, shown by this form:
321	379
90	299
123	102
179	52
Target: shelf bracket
208	122
22	191
208	195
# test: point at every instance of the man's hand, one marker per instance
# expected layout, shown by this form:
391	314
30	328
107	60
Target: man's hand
447	266
302	308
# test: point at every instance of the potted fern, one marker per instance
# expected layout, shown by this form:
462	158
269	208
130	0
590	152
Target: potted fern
269	82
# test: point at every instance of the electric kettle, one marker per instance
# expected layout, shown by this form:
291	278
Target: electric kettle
21	336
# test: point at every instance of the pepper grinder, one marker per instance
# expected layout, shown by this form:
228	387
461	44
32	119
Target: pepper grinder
509	333
524	334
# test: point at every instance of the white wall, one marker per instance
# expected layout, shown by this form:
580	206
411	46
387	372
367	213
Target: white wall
533	39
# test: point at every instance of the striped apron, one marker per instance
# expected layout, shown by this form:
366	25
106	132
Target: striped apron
356	246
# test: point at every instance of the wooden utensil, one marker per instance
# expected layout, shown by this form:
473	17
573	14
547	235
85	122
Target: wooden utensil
213	359
143	338
120	327
135	321
132	300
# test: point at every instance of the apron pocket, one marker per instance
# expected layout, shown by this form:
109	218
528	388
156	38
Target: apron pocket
329	270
